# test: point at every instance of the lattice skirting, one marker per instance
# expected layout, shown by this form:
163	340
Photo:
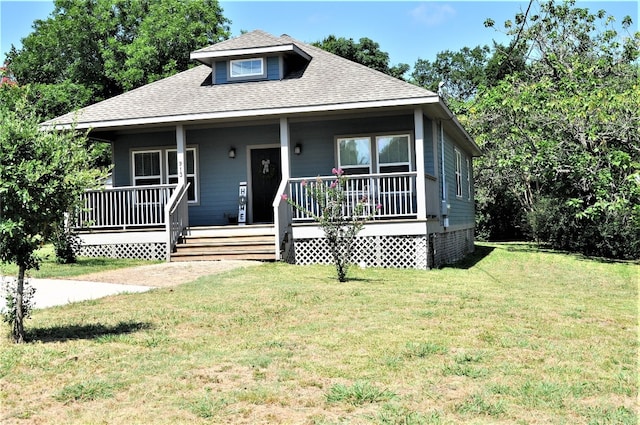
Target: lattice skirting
449	247
143	251
409	252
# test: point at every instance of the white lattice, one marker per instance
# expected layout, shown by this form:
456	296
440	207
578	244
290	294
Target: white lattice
144	251
372	251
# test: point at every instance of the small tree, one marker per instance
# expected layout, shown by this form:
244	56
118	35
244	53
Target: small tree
340	222
42	174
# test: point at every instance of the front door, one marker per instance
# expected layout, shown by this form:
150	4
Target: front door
265	179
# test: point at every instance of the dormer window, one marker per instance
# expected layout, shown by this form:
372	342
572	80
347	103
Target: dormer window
247	68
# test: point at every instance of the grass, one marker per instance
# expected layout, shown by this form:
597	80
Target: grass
85	265
512	336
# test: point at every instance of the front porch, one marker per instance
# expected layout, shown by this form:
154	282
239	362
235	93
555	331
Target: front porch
153	222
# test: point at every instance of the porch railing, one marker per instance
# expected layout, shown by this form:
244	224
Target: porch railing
176	216
125	207
393	193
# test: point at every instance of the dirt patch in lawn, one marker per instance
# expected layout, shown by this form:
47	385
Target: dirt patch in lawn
166	274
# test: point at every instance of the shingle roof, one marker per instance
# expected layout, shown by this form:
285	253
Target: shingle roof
328	81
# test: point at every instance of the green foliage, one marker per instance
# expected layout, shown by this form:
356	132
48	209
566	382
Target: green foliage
66	243
106	47
42	174
366	52
560	137
339	221
359	393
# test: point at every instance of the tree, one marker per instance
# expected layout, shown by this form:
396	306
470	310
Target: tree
366	52
560	137
42	174
108	47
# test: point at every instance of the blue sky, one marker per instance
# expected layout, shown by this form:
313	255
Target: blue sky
407	30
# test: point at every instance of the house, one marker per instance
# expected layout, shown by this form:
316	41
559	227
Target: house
201	160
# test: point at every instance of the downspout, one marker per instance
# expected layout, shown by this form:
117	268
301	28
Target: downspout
444	208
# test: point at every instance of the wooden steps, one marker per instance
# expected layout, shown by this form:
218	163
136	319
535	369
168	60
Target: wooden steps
227	243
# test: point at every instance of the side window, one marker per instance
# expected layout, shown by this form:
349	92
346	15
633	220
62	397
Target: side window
172	171
458	173
147	169
393	153
354	155
468	179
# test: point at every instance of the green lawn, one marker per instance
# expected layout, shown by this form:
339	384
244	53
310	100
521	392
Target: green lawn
50	269
515	336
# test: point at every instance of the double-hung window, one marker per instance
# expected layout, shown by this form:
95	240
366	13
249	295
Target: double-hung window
243	68
393	153
160	166
147	169
172	170
354	155
458	173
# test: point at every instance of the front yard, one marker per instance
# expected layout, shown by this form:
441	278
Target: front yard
516	336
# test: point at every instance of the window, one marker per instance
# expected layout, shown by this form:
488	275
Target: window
458	173
172	171
242	68
393	153
354	155
469	179
147	169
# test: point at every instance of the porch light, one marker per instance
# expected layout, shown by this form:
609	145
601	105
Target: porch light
297	149
232	153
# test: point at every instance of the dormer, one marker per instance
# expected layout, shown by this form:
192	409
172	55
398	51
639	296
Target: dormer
257	56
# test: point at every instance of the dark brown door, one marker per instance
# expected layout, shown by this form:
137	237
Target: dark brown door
265	179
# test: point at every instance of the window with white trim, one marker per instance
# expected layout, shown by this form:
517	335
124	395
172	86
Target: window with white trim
172	171
354	155
160	166
147	169
458	173
393	153
243	68
468	179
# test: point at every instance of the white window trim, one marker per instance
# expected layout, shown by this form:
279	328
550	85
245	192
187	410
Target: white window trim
261	74
458	173
135	178
164	167
194	175
392	164
346	167
468	179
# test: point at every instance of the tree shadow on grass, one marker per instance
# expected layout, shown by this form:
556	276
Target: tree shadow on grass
479	253
90	331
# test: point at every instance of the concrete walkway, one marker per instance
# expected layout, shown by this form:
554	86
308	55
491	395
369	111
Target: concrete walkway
54	292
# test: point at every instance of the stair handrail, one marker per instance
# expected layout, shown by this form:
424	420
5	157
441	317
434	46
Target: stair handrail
176	214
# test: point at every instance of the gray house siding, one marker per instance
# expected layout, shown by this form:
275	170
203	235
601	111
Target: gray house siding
461	211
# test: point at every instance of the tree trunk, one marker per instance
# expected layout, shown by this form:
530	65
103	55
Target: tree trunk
18	325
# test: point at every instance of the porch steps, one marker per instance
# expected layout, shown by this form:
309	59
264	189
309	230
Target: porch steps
227	243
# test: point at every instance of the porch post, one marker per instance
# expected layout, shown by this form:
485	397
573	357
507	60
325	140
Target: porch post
420	183
181	155
284	149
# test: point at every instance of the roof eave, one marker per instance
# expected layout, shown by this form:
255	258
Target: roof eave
208	58
214	116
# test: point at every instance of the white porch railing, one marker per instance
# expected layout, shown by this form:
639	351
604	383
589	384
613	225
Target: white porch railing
394	193
176	217
125	207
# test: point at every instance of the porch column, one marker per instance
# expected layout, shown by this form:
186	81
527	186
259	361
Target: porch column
181	154
420	183
284	149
